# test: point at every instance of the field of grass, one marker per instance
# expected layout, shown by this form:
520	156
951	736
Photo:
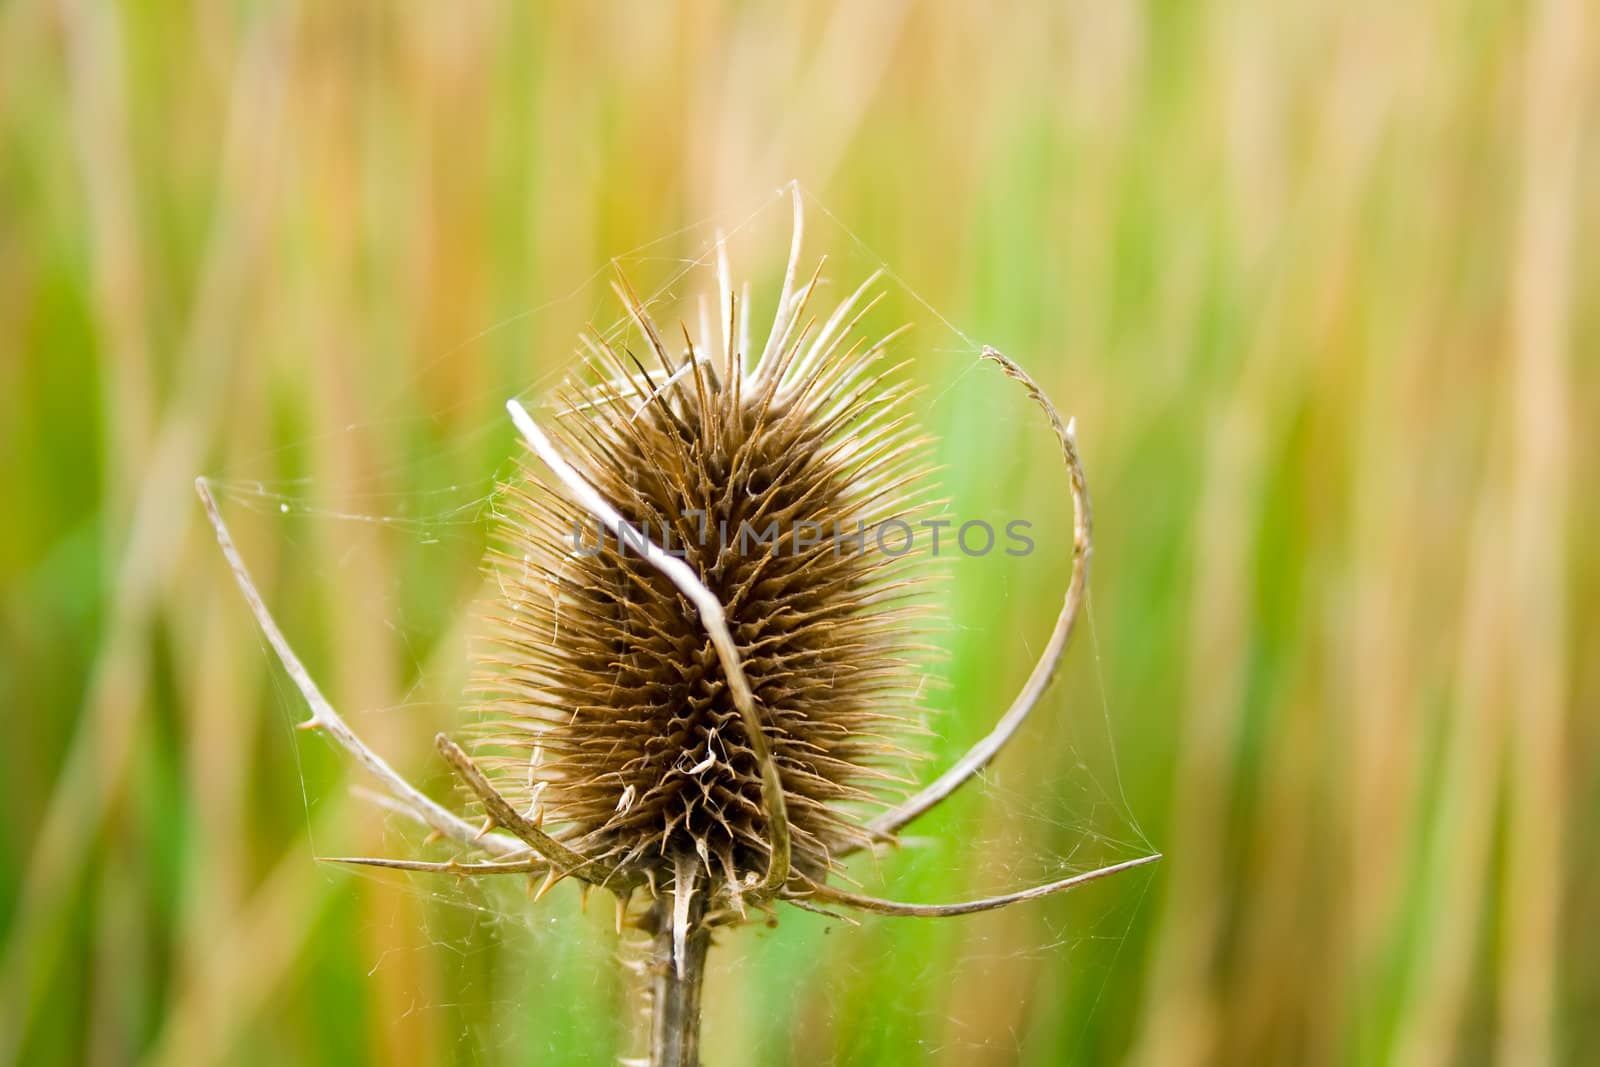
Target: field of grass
1317	280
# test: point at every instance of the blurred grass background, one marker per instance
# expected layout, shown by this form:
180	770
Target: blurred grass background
1318	280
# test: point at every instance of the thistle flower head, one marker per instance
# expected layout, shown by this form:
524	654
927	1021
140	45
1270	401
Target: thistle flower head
606	713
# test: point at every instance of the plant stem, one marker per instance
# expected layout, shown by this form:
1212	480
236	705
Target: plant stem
675	999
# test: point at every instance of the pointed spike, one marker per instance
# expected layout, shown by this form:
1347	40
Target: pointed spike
550	881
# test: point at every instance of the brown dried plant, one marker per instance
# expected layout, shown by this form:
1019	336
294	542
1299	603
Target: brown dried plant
678	719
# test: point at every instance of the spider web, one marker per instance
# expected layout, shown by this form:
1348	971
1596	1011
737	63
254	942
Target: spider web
374	532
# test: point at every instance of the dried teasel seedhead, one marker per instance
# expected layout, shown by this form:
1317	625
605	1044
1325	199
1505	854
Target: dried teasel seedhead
710	725
606	714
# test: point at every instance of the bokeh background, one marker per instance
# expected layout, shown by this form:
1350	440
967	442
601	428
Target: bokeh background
1318	280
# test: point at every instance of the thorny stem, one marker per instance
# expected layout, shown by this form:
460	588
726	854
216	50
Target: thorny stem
675	983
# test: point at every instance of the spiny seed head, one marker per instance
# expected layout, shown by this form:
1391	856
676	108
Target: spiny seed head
606	713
